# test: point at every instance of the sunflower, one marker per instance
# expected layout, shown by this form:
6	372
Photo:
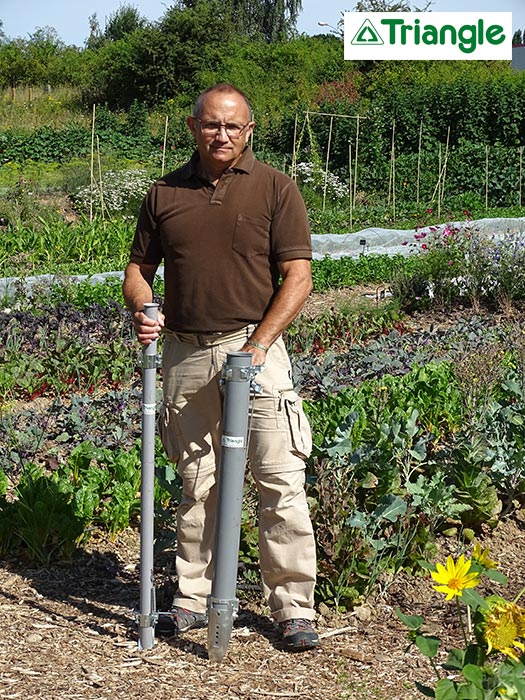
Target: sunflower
454	577
481	556
503	623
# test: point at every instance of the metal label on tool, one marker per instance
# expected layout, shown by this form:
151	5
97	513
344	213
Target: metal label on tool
231	441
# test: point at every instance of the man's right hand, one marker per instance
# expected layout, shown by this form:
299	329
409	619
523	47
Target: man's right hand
147	329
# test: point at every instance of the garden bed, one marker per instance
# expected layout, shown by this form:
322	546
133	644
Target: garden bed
69	630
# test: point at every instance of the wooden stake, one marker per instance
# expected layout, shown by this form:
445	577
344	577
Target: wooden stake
164	144
438	185
356	157
419	160
293	172
92	167
445	168
393	169
521	174
486	178
326	163
100	183
350	198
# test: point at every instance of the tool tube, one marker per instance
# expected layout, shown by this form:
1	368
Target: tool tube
147	612
222	603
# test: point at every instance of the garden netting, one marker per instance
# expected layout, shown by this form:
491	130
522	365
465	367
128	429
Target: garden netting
379	241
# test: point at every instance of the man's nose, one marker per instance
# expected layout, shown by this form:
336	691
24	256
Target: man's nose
222	134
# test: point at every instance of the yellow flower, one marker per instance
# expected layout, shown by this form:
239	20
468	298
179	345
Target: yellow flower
503	624
454	577
482	557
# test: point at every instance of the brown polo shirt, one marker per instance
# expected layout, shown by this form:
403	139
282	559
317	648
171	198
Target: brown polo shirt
221	245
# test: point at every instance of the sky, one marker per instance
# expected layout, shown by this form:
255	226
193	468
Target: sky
70	17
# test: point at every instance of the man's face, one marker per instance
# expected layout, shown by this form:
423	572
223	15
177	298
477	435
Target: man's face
219	150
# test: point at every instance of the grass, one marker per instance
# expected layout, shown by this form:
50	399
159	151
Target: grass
31	108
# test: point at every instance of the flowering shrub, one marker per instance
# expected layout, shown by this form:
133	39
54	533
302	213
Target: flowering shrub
461	263
499	627
312	176
118	192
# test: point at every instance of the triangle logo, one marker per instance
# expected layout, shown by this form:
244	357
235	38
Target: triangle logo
367	35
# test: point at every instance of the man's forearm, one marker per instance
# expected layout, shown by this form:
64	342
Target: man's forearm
285	307
136	289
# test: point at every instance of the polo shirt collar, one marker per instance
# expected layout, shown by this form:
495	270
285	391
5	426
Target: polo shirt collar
244	164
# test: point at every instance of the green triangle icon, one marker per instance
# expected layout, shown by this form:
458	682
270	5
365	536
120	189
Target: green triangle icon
367	35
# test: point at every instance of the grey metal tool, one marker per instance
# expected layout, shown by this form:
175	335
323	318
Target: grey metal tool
238	374
147	615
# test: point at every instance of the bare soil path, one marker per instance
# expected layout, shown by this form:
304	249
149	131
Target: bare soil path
69	632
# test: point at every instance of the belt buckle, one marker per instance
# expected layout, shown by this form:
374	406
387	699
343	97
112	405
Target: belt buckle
206	339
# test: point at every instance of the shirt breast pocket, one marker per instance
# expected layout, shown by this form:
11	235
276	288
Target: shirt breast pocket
251	236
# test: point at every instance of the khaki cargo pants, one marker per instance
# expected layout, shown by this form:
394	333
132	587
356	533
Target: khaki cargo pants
190	429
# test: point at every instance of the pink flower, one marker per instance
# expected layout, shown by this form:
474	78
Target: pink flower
404	243
424	246
450	262
429	211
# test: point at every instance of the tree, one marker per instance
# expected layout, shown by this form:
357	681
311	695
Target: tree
95	39
122	22
44	51
518	38
270	20
14	65
165	60
390	6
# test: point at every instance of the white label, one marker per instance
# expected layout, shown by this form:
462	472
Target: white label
231	441
148	409
418	36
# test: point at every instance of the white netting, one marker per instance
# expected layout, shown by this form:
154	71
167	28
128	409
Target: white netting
381	241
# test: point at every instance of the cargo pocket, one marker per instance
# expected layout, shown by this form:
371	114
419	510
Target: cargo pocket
168	432
300	435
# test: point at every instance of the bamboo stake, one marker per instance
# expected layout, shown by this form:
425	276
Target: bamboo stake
356	157
438	184
391	164
293	172
445	167
393	169
326	163
350	184
521	174
164	145
486	178
92	167
419	160
100	182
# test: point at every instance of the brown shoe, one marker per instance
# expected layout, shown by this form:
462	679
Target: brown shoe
298	634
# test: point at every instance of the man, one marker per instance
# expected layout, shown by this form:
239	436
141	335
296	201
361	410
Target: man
228	228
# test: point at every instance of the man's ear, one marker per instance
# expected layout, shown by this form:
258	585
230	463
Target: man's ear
249	131
190	121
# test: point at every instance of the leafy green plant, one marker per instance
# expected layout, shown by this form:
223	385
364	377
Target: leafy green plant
53	514
41	523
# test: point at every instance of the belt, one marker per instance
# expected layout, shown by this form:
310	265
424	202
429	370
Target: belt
211	338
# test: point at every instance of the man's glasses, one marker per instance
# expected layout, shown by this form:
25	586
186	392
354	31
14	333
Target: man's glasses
211	128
